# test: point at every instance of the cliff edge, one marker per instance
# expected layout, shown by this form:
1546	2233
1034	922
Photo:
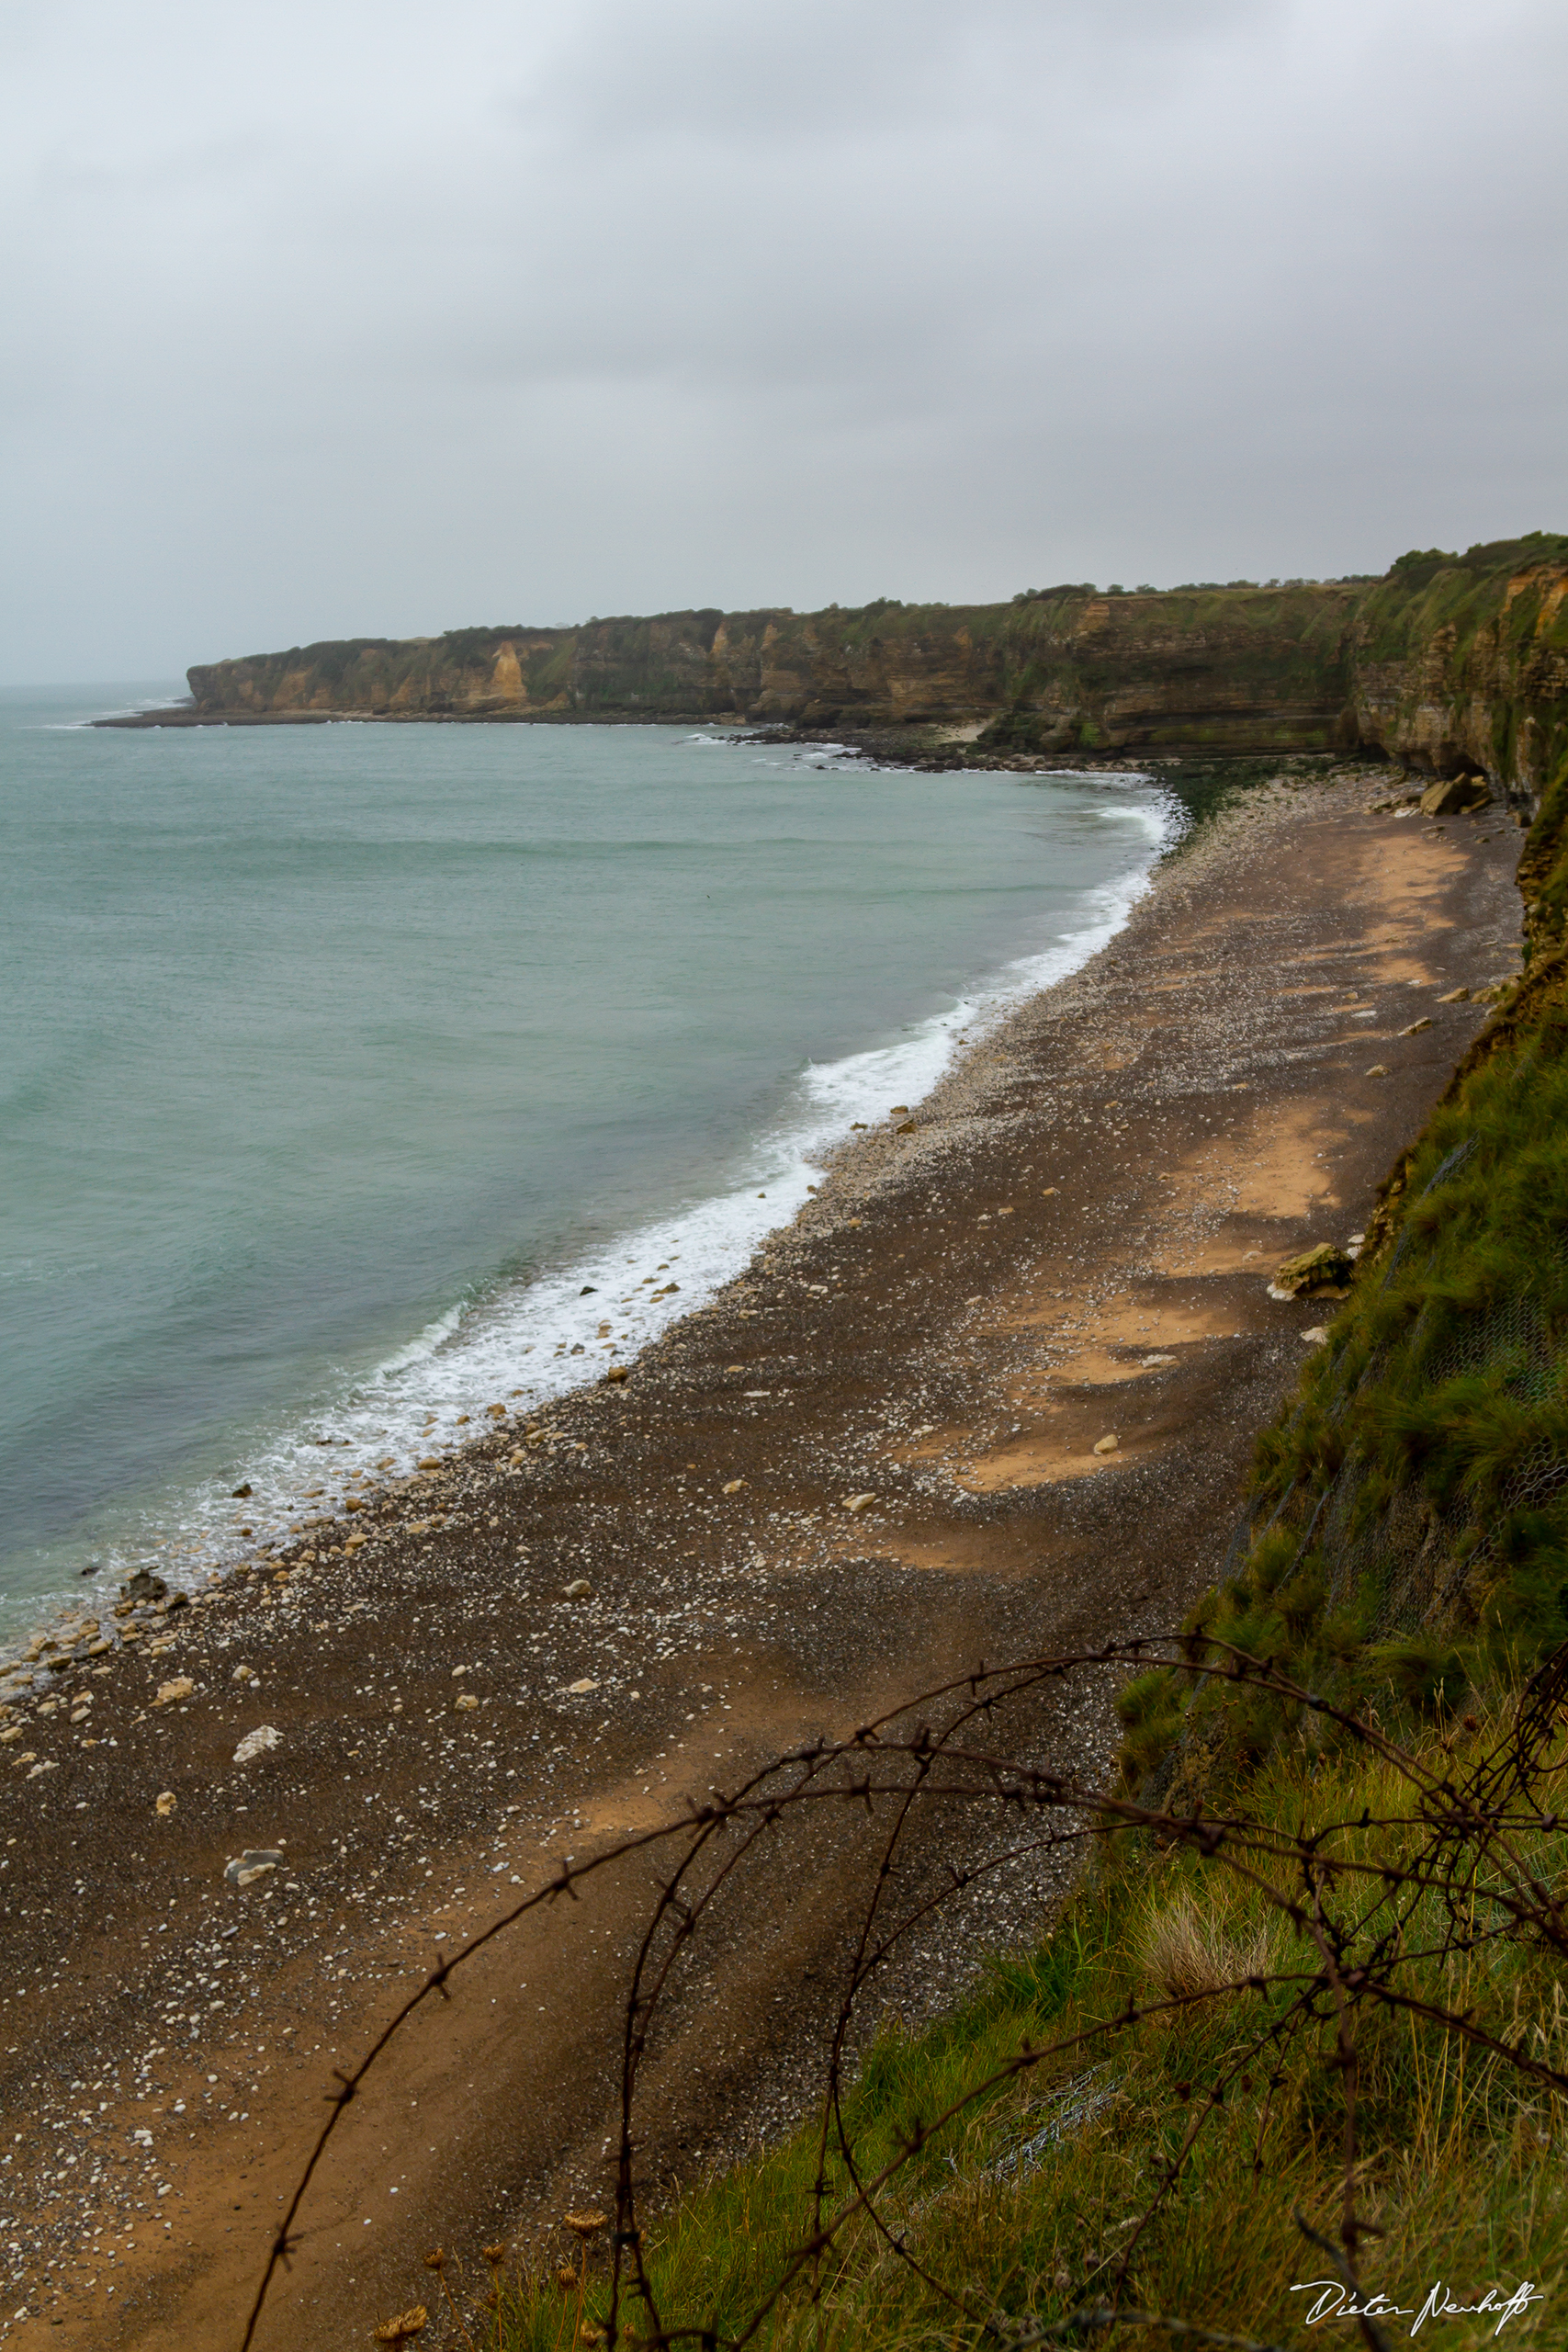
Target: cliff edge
1447	663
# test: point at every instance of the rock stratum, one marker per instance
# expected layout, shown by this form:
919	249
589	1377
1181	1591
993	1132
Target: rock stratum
1447	663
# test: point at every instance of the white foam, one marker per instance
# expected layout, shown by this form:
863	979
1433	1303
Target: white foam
528	1343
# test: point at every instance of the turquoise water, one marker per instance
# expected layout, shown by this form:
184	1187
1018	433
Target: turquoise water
337	1061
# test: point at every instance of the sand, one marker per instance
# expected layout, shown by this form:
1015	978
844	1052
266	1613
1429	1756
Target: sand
1072	1243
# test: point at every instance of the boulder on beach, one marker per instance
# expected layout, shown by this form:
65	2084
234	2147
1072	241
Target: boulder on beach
1323	1271
1452	794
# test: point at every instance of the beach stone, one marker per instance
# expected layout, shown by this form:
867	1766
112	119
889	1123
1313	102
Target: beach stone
1315	1337
144	1586
1107	1444
732	1486
581	1689
580	1589
257	1743
164	1803
616	1372
253	1864
241	1495
1378	1070
1415	1027
1320	1268
170	1693
1455	996
904	1127
244	1674
11	1732
857	1503
465	1704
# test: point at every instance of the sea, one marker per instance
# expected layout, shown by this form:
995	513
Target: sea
357	1078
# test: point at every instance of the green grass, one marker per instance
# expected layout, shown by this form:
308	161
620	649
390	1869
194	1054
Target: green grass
1409	1513
1190	2137
1143	2110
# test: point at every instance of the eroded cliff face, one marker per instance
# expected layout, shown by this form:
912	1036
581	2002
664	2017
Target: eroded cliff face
1448	661
1244	669
1464	661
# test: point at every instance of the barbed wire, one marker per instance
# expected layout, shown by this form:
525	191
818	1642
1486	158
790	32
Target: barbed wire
1467	1832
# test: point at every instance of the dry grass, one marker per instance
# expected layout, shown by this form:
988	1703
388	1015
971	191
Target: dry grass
1189	1952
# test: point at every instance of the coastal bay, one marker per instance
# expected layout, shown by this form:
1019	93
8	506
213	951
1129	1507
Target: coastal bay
1067	1241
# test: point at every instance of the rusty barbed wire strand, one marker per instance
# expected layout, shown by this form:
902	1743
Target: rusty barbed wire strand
1465	1849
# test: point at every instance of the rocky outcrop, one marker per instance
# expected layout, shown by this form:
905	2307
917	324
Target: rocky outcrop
1448	663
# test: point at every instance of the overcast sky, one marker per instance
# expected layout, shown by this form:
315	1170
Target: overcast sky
343	317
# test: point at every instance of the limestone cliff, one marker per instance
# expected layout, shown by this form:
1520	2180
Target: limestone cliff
1463	660
1448	661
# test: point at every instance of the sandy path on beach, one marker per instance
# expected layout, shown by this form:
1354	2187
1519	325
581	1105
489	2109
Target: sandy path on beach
1072	1243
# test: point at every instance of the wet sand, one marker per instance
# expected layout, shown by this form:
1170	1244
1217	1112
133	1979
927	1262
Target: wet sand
1070	1241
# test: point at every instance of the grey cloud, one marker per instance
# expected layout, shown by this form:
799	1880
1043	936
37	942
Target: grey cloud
345	318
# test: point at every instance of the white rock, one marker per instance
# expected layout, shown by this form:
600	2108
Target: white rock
257	1743
253	1864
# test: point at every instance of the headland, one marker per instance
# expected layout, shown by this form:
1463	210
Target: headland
1447	664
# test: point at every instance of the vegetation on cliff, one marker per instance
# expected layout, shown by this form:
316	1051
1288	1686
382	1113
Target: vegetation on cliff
1446	661
1140	2116
1184	2103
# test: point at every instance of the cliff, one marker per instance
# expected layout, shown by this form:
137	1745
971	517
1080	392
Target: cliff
1448	661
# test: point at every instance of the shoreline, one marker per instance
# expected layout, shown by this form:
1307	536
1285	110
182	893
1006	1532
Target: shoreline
1150	1132
201	1528
917	744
